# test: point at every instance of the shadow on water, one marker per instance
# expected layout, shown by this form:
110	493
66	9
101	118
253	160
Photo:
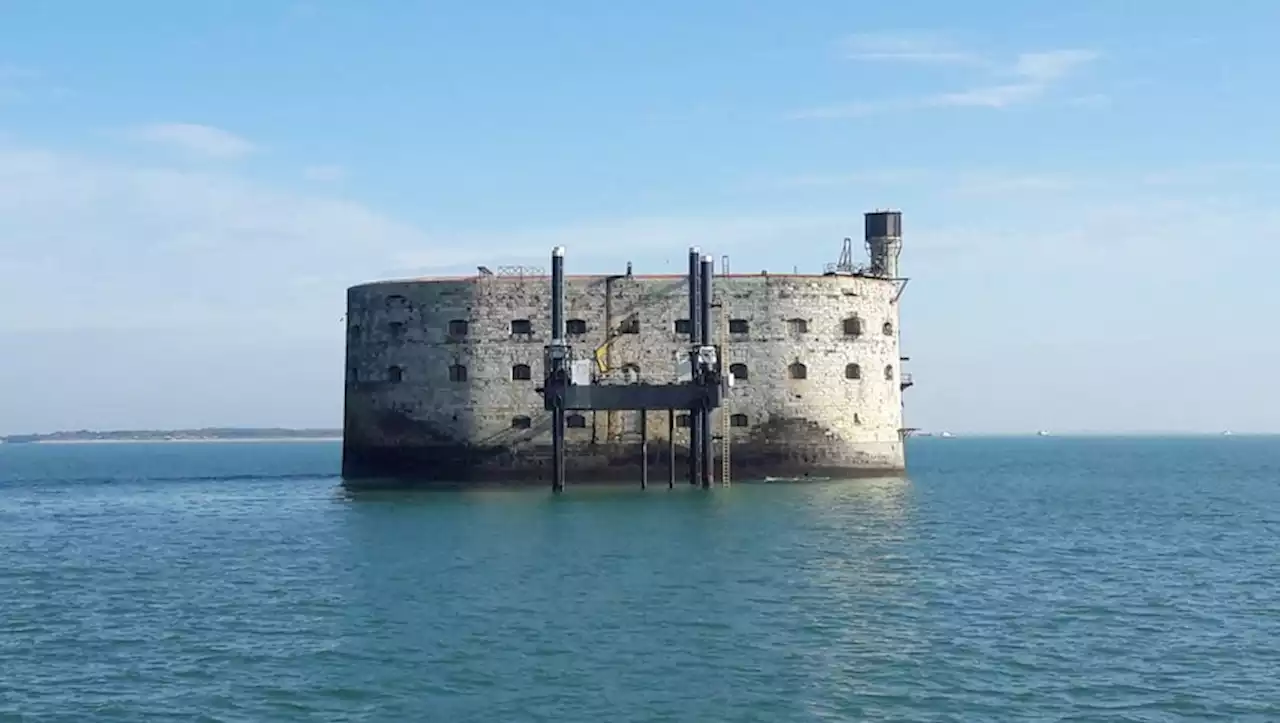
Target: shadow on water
413	491
884	493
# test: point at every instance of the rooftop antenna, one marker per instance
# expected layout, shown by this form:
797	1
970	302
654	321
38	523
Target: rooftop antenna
845	264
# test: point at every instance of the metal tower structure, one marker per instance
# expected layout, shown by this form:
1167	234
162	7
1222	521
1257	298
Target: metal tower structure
568	384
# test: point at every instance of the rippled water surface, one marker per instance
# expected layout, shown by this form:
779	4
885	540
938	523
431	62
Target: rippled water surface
1031	579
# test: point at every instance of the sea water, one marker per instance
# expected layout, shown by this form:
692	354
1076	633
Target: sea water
1006	579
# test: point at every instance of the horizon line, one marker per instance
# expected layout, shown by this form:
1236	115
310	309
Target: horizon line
953	435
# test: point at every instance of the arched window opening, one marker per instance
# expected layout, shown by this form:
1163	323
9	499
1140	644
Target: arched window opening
457	373
853	326
575	421
521	422
852	371
396	300
739	372
738	420
798	371
888	372
797	326
395	374
631	373
521	373
888	328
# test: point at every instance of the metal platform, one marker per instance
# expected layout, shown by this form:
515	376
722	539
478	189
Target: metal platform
566	388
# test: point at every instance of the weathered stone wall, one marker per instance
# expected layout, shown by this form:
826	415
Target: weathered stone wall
800	409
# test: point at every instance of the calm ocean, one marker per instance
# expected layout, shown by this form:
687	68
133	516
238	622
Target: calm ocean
1037	579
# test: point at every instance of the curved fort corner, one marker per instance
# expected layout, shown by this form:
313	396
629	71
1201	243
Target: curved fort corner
443	376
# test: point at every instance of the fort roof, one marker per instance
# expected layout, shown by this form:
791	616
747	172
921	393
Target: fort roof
640	277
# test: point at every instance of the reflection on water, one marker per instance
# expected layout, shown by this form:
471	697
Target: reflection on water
812	582
889	496
1004	581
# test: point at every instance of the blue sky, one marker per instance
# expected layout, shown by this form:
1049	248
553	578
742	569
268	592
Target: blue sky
1089	188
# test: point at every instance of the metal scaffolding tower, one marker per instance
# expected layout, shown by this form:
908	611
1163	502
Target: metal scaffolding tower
566	389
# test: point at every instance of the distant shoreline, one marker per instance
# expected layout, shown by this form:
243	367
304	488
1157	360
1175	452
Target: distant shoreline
209	440
201	435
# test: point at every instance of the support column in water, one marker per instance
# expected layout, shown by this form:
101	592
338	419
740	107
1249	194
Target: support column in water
644	449
704	329
695	341
671	448
558	372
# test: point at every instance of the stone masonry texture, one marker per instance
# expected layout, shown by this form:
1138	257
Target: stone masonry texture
437	388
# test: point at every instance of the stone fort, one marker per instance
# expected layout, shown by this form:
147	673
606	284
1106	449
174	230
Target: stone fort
443	375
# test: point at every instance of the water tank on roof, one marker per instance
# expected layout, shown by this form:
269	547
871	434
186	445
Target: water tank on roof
884	242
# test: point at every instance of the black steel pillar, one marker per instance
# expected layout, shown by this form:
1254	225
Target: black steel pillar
557	295
644	449
557	449
695	340
671	448
704	327
557	372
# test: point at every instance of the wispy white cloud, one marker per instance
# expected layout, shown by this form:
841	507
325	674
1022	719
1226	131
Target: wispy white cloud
194	139
1049	66
1031	76
130	244
325	173
856	109
906	47
139	245
1028	77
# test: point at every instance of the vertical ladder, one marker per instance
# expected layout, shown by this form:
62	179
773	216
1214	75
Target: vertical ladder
726	421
